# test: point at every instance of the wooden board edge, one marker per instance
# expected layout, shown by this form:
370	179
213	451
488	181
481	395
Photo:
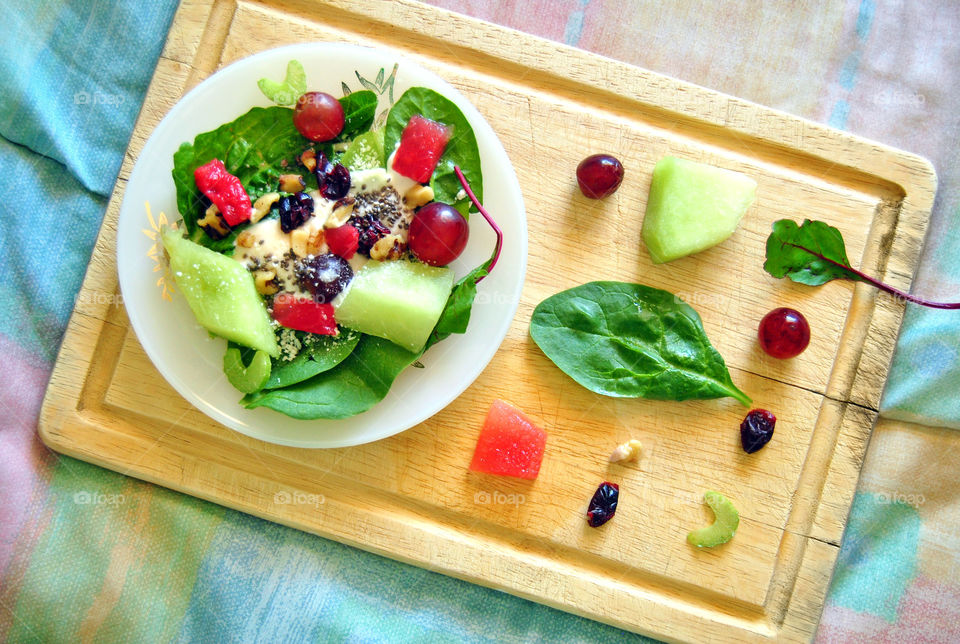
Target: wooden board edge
839	148
446	551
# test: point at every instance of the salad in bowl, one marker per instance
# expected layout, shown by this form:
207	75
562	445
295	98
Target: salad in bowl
320	278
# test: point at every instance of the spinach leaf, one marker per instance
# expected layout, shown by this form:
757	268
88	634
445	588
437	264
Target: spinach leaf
359	109
253	148
456	312
631	340
323	352
461	150
811	254
352	387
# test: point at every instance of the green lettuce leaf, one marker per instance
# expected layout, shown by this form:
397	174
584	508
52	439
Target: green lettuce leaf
255	148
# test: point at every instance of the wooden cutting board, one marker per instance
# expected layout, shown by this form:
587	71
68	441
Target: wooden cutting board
411	497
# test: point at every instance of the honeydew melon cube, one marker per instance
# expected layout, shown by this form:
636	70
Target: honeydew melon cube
399	300
221	293
692	207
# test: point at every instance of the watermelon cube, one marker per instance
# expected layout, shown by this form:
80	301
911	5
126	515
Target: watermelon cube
304	314
509	444
421	144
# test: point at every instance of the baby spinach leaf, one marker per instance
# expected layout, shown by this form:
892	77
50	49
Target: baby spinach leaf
811	254
359	109
254	148
352	387
461	150
456	313
322	353
631	340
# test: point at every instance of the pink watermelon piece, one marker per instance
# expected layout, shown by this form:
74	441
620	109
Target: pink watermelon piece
421	145
509	444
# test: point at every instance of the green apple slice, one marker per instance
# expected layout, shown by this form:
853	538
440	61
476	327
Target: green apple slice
723	527
693	206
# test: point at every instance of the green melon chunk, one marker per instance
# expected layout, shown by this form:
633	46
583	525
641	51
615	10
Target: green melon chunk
250	378
365	152
221	294
397	300
693	206
723	527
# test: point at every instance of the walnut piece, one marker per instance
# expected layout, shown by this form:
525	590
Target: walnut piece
298	241
315	242
246	239
626	452
264	281
387	248
417	196
263	205
291	183
342	211
213	223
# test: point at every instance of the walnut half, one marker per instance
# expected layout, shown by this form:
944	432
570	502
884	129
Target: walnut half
265	282
387	248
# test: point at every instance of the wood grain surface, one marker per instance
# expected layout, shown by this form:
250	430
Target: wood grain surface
411	497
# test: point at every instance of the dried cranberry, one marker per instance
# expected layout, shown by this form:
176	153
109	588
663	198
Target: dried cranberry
294	210
756	430
603	505
324	276
370	230
333	179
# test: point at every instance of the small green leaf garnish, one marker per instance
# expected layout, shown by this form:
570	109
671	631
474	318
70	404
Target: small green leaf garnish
723	527
248	378
814	254
288	91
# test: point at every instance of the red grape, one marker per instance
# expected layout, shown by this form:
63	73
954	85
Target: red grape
438	234
599	175
784	333
318	116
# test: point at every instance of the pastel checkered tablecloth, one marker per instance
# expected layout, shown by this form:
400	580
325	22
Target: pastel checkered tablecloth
157	566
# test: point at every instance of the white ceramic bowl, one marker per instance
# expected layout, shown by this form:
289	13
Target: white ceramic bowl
191	360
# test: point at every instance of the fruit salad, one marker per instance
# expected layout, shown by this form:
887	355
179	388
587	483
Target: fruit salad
316	239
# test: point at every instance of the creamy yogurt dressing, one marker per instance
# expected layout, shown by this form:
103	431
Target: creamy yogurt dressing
272	249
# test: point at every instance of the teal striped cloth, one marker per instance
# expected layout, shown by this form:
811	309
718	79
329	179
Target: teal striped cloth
90	555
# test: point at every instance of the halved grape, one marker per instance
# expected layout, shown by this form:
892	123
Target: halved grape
318	116
438	234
